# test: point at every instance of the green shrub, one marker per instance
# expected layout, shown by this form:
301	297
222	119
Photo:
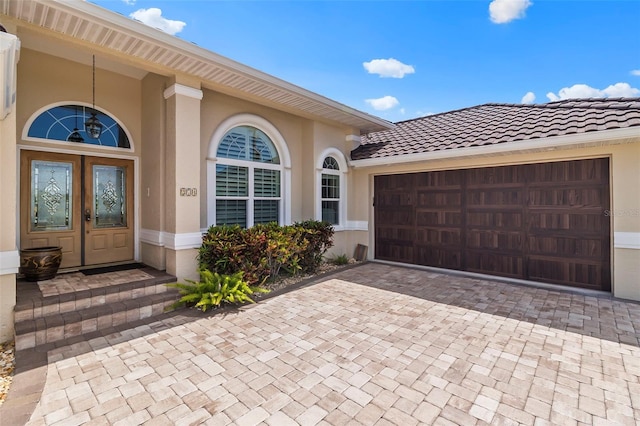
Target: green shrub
340	259
320	239
230	249
265	251
215	289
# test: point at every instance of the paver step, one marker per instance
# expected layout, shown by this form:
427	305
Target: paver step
46	314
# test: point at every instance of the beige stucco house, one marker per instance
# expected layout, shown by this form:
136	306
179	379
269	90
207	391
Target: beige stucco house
189	138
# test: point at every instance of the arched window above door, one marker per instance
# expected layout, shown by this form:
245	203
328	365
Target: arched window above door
66	123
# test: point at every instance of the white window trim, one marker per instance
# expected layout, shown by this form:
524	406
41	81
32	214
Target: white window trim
283	153
342	202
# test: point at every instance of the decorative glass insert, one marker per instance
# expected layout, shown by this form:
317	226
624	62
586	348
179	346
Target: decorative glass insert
232	181
51	196
248	143
266	211
66	123
231	212
109	197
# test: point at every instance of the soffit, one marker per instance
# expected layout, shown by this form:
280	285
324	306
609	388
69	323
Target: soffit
149	49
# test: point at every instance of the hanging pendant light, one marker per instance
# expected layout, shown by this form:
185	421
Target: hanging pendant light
93	126
75	135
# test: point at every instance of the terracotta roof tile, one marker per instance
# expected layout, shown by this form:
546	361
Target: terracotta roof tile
491	124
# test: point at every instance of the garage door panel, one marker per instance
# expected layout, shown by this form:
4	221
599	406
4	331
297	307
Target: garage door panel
553	223
442	180
507	242
497	198
569	247
391	250
439	256
495	263
389	199
568	198
447	199
570	272
492	220
495	177
570	172
438	218
439	236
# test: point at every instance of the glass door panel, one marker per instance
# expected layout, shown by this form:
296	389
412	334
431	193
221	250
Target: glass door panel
51	196
50	203
109	196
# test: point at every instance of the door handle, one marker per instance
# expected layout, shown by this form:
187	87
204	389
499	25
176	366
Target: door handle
87	215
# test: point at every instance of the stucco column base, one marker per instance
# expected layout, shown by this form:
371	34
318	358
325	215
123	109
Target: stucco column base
7	303
626	267
183	263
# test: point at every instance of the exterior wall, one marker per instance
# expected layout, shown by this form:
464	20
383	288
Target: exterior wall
306	141
44	80
152	153
9	258
625	212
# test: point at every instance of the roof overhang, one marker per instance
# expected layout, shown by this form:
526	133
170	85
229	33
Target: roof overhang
573	141
153	50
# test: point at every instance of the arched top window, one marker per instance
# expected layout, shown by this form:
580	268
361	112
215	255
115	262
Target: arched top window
331	204
330	163
248	143
66	123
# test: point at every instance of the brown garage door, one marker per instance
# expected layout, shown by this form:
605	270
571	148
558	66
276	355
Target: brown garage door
541	222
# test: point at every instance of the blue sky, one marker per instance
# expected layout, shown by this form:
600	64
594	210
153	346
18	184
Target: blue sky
404	59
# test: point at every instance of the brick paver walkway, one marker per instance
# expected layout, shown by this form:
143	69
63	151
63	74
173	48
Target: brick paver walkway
373	345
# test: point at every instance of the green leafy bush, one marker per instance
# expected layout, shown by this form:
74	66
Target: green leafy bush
320	239
265	251
214	289
341	259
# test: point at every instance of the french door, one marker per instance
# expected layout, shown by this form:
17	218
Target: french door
80	203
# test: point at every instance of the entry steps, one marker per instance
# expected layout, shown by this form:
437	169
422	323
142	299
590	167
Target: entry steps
46	316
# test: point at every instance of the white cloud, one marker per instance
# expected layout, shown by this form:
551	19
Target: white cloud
504	11
383	104
153	17
618	90
528	98
388	68
636	73
129	2
621	90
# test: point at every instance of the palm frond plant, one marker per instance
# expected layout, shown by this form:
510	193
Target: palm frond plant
213	289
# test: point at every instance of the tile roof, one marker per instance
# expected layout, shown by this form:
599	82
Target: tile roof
491	124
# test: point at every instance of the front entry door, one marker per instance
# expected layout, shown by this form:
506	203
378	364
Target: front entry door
82	204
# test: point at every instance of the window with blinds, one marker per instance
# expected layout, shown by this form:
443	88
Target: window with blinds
248	179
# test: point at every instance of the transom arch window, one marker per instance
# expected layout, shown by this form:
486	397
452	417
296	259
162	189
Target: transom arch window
65	123
248	174
331	182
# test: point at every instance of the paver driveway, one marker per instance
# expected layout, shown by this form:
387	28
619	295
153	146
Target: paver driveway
371	345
